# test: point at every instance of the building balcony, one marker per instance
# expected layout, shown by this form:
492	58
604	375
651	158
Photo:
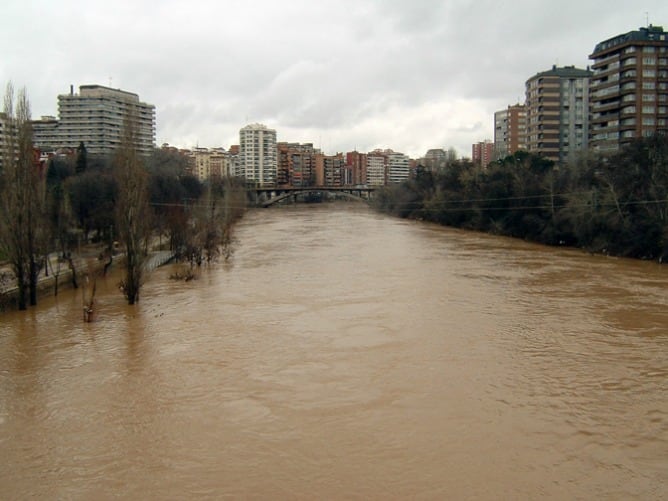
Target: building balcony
631	77
605	93
608	74
606	60
605	107
624	128
604	118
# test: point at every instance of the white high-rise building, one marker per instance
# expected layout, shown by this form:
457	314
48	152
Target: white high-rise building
97	116
258	154
376	169
398	167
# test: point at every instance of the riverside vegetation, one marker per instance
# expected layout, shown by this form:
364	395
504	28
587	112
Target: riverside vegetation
124	202
614	204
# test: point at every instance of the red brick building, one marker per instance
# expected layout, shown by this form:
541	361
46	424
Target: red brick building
482	153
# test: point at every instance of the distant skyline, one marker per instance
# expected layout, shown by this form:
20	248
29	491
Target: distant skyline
342	74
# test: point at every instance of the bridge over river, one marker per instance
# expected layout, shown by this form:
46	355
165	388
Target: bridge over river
264	197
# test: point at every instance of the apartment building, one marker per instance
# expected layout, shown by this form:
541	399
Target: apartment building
629	89
435	159
398	167
97	116
296	164
329	169
258	154
219	166
482	153
510	126
376	169
208	163
234	162
557	110
45	134
356	164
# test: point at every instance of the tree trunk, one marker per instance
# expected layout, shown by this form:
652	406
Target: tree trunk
33	281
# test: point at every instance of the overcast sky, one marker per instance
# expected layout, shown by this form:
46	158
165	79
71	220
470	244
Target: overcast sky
343	74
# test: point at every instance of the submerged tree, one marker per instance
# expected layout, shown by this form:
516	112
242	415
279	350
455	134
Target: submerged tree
207	233
131	209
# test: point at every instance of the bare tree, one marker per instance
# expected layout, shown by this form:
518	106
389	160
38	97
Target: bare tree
131	208
21	197
212	221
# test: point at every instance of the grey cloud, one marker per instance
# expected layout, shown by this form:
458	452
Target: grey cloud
391	73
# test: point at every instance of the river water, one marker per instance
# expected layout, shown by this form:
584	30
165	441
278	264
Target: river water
343	354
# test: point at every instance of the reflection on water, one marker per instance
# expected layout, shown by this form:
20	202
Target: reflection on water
344	354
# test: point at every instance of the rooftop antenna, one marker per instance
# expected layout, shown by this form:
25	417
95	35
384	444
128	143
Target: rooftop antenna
110	82
647	18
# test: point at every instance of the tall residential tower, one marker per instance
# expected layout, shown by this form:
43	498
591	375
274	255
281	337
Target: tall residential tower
629	88
510	130
258	154
557	107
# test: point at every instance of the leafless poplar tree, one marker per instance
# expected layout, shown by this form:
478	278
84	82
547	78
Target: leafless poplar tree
21	196
131	208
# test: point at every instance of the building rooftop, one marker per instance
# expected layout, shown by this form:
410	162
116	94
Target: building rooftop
257	126
564	72
649	34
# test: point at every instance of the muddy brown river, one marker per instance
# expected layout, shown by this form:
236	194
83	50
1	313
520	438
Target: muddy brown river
343	354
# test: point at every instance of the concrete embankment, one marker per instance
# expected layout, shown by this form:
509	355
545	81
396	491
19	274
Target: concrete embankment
59	278
60	275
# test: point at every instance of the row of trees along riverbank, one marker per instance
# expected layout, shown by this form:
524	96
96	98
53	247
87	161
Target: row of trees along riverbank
615	204
125	199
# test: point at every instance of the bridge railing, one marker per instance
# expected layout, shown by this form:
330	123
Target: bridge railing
266	196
